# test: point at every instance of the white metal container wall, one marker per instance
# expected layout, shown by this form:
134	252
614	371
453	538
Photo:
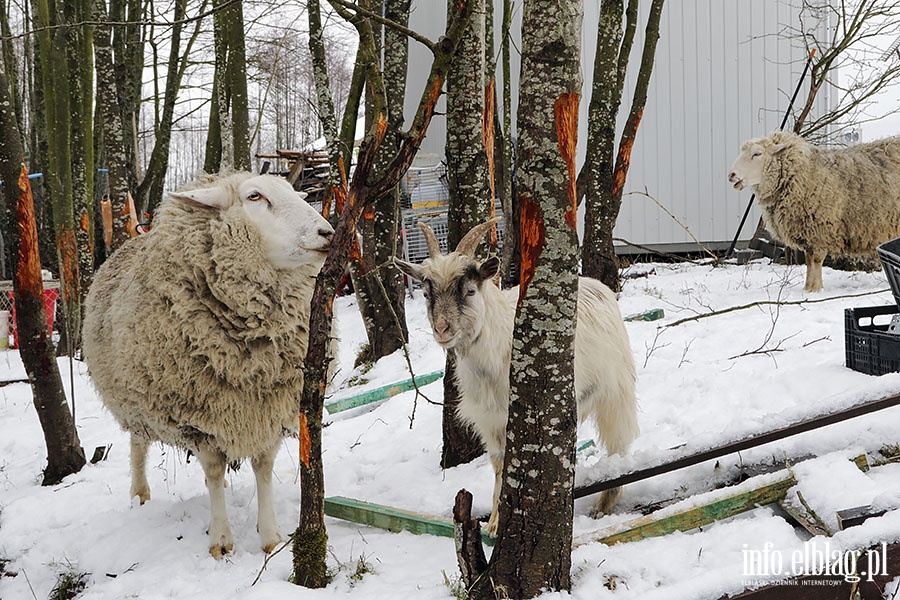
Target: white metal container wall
723	74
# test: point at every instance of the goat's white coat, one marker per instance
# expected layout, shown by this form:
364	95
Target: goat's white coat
481	338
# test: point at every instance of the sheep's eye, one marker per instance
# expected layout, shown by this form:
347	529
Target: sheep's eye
756	154
254	197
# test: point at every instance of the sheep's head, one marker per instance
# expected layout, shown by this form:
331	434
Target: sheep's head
749	168
452	285
293	233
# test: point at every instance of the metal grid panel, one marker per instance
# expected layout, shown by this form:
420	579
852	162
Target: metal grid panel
426	187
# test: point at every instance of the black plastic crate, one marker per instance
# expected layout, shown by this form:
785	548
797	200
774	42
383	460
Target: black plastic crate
889	253
868	346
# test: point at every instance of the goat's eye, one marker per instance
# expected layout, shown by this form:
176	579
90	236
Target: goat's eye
470	292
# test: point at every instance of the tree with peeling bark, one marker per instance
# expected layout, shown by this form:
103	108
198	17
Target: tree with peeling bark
64	453
471	194
67	89
377	282
228	137
533	549
311	538
602	178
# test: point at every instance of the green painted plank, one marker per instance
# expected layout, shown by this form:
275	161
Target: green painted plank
391	519
655	526
654	314
381	393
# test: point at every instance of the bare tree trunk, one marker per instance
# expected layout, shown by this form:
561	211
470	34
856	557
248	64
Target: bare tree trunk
64	453
509	256
602	178
228	137
310	538
470	196
533	549
69	160
150	191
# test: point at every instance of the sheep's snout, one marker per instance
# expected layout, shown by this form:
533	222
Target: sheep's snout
326	233
736	181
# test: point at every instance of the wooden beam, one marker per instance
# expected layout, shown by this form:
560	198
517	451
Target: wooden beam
381	393
742	444
655	525
654	314
391	519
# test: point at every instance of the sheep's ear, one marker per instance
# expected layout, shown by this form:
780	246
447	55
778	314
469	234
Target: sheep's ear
489	268
213	197
410	269
778	148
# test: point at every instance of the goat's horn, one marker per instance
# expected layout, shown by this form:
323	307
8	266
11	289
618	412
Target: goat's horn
434	246
470	241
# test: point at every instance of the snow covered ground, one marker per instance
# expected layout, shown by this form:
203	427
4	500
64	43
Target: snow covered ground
699	383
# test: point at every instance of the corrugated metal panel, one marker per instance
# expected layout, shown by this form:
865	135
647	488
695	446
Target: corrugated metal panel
723	74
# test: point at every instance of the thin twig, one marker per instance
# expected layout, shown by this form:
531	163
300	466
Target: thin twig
680	224
770	302
270	556
360	11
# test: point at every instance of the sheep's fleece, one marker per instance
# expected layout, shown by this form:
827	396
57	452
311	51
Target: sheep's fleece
823	200
193	338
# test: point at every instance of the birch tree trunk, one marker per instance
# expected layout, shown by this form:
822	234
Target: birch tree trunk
533	549
603	175
64	453
470	197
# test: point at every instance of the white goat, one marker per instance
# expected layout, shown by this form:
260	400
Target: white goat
471	317
195	333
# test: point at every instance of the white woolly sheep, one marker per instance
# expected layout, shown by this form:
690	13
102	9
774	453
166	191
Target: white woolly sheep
473	318
820	200
195	333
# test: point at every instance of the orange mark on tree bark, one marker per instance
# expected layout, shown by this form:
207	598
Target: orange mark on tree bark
624	158
305	441
28	272
565	116
532	234
487	138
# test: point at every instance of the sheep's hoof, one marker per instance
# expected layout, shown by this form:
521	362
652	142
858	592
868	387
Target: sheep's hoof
142	496
270	547
217	551
271	540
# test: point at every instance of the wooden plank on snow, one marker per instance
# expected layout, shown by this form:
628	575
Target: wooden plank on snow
381	393
390	518
656	524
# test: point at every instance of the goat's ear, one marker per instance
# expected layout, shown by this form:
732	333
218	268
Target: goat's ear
410	269
489	268
212	197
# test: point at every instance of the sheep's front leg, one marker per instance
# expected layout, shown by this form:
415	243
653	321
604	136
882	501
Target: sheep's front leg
814	260
266	523
214	463
494	521
139	485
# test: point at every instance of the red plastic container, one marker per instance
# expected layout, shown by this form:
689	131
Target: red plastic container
51	295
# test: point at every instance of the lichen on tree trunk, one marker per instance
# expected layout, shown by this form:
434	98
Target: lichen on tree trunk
532	552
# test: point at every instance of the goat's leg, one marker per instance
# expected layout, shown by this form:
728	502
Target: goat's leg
266	523
814	260
494	521
214	463
139	485
617	432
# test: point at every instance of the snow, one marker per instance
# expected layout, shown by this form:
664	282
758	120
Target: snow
700	383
